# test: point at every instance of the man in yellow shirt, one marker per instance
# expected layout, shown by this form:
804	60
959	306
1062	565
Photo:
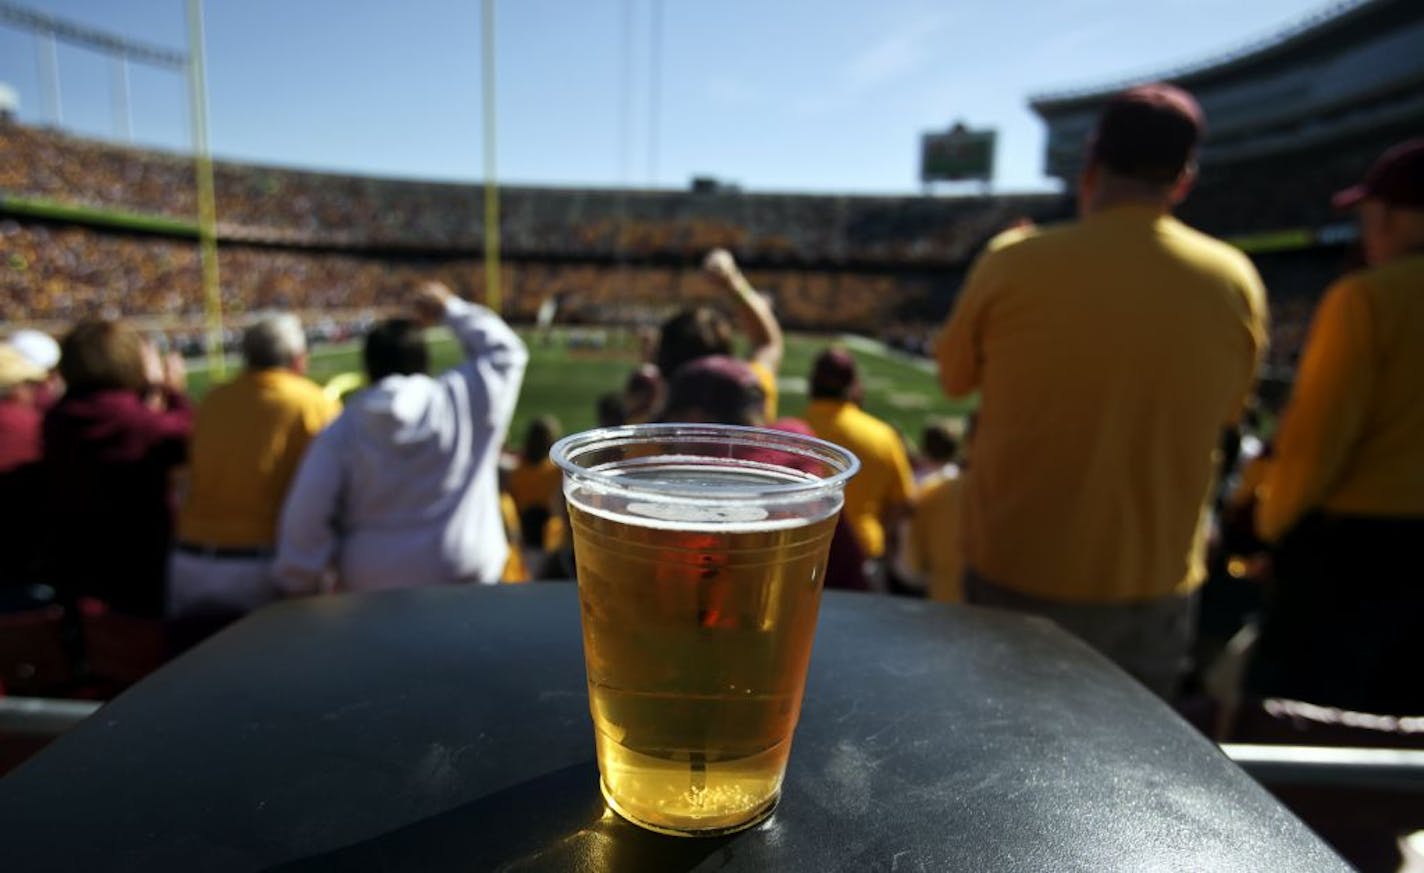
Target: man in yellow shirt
1109	353
880	494
249	435
1344	496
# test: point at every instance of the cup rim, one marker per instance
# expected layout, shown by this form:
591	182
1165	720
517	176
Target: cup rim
729	434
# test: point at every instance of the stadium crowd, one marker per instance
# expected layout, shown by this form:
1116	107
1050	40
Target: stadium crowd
55	274
296	207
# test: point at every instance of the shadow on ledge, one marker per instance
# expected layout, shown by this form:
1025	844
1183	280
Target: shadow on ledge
557	821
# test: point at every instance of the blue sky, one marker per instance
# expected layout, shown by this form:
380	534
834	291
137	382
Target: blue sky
786	95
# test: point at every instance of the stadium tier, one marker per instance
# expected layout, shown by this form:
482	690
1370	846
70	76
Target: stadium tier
291	207
1290	120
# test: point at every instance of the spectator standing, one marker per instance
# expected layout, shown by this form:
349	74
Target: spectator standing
932	548
111	444
879	496
700	331
249	435
402	489
1343	498
1110	353
720	390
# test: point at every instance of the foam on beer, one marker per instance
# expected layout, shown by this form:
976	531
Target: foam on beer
687	515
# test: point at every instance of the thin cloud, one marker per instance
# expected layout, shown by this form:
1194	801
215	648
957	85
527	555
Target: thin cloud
886	60
892	56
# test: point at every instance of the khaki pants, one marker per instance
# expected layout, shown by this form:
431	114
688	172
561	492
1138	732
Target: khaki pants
1150	639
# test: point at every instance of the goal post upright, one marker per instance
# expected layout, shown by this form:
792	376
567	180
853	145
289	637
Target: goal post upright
207	202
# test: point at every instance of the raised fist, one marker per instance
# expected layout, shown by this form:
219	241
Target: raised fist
429	301
720	263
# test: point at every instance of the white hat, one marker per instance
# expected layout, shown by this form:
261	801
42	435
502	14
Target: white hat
39	348
15	368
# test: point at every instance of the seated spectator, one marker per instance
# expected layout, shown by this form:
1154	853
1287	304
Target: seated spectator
111	444
535	480
402	489
249	435
878	497
933	542
21	491
720	390
41	350
516	569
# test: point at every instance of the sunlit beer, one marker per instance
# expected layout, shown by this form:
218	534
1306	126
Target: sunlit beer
700	580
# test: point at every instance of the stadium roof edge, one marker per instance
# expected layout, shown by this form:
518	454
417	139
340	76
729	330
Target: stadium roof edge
1307	29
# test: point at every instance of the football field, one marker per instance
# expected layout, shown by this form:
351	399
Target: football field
568	370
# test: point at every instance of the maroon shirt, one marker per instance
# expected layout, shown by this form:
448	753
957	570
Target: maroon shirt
21	490
107	461
19	434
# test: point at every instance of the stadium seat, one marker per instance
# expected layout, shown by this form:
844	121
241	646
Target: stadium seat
28	724
33	656
1339	772
119	649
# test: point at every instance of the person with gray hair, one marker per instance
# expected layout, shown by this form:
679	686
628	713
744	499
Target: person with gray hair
275	341
248	439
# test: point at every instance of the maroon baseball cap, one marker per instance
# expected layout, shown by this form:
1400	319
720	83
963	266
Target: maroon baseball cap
719	388
1397	178
1149	132
833	372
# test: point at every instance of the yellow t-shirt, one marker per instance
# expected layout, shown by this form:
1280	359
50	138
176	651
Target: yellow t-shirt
534	485
249	435
884	478
515	570
1352	439
767	380
934	545
1109	354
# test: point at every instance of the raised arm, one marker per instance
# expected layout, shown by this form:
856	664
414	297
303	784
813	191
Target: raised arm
758	320
481	333
494	353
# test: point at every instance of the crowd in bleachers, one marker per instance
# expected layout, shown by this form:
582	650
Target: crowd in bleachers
52	274
291	206
1282	189
1243	196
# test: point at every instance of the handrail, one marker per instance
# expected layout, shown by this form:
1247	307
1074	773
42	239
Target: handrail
1330	766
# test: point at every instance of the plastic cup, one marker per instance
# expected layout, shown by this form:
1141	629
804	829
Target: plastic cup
701	551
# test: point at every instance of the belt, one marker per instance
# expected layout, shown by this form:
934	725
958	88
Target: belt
222	552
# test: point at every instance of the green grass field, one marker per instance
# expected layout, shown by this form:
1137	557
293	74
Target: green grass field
565	381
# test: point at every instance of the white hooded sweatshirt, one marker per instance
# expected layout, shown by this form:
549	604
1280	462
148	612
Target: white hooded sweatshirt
402	489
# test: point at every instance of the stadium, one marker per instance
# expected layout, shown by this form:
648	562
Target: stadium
93	228
1290	121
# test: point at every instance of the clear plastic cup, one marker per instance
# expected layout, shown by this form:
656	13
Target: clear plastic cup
701	551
